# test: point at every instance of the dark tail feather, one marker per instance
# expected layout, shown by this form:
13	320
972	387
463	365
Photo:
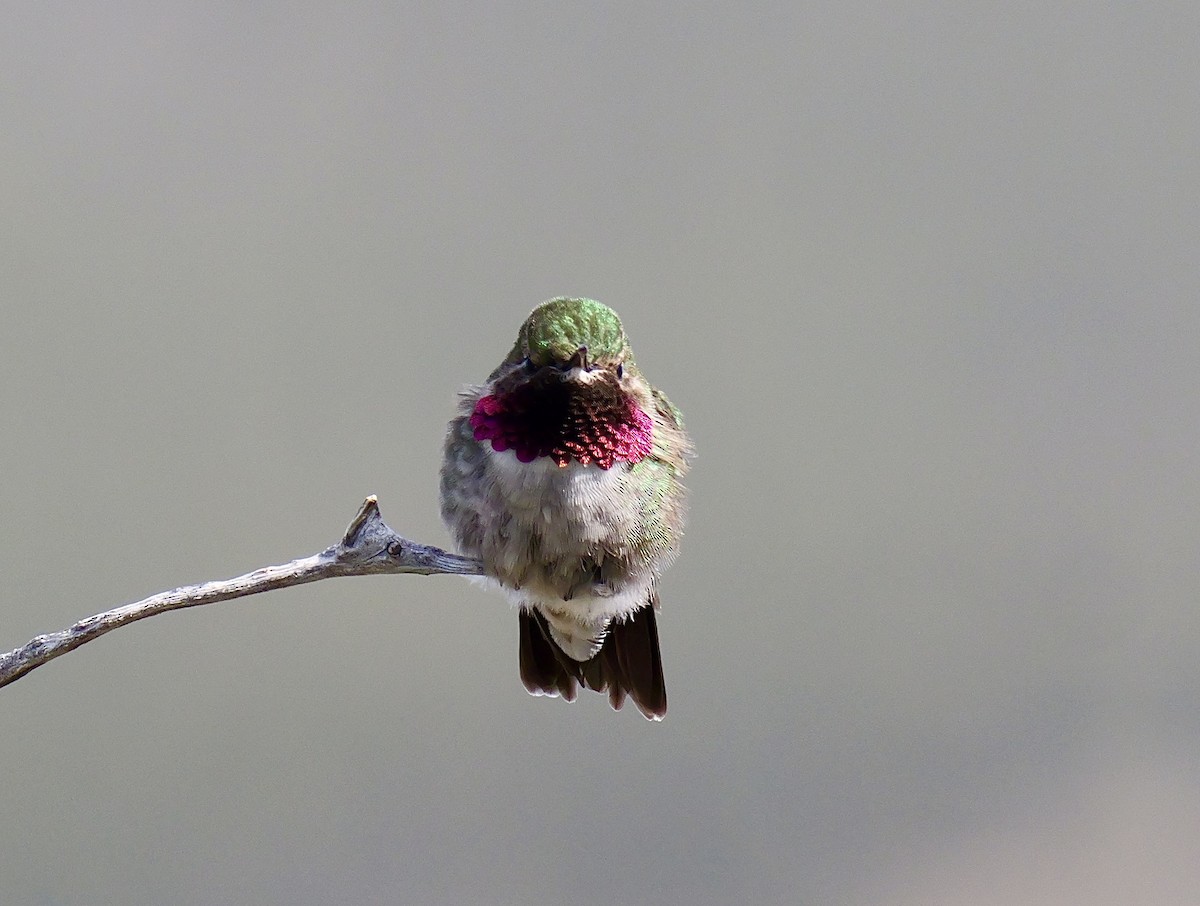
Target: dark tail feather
544	669
628	663
634	647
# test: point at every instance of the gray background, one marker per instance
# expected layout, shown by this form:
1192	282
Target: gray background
923	280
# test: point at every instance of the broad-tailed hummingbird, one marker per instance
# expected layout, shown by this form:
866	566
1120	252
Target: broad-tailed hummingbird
562	474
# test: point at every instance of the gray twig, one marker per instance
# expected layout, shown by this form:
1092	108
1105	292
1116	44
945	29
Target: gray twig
369	547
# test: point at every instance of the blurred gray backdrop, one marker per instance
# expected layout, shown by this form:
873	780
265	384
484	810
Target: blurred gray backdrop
923	279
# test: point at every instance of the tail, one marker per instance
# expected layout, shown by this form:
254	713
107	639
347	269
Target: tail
628	663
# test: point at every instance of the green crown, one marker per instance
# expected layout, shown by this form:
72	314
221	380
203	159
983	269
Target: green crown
555	329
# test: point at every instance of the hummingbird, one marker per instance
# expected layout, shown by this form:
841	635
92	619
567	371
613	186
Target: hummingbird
562	474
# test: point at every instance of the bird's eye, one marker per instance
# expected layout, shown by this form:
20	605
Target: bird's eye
530	368
620	371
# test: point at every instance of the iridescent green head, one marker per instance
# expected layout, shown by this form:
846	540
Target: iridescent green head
568	390
555	330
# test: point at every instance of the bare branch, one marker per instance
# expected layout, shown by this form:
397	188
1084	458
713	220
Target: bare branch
368	548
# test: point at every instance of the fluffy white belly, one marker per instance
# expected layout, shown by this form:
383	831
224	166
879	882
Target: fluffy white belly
564	523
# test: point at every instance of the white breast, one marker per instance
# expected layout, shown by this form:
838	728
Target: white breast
575	510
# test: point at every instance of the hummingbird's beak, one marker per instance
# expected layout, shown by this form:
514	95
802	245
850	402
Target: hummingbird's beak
578	360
